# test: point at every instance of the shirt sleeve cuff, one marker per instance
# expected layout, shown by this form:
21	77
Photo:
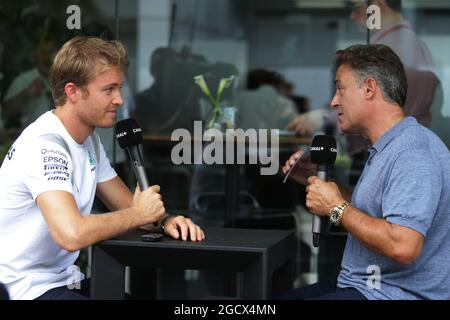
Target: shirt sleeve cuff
37	193
107	177
409	223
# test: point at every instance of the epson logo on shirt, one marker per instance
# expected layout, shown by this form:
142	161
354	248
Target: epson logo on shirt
55	160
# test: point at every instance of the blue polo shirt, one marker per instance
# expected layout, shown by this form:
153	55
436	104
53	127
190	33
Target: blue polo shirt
406	181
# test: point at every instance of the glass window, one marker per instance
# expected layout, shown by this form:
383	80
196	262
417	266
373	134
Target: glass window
279	55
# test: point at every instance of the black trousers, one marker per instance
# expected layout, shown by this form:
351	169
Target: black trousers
3	292
325	290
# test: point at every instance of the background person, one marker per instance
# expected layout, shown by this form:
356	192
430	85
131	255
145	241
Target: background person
416	57
262	105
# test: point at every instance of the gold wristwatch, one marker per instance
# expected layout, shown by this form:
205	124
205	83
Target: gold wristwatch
337	212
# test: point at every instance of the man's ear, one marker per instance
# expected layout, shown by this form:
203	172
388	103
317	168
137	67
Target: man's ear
72	92
370	88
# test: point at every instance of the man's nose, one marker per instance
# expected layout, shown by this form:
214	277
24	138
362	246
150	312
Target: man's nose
118	99
334	102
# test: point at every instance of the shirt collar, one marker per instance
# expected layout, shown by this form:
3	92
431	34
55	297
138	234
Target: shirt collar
388	136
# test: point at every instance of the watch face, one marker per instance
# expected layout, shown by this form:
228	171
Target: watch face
334	216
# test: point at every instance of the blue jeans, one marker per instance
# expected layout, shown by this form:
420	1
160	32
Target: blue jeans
64	293
325	290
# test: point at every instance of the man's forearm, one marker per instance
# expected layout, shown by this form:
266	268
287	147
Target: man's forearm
97	227
379	235
365	228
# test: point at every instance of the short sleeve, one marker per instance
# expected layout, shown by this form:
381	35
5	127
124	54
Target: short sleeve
105	171
48	167
412	194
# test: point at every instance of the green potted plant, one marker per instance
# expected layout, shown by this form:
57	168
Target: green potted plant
216	118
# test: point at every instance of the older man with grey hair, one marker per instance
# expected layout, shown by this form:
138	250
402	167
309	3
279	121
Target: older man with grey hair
397	217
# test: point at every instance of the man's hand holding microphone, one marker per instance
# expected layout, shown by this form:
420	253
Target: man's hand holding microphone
311	170
322	196
148	204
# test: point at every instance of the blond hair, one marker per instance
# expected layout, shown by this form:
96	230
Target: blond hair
80	60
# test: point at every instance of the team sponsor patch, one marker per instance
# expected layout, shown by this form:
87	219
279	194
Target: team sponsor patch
57	173
55	160
10	152
55	165
91	161
52	151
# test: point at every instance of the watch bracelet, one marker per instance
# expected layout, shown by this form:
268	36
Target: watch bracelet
341	209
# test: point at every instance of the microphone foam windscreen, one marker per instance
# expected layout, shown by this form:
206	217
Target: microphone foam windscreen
128	133
323	149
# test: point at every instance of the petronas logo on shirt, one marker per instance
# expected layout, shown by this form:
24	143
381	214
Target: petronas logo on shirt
91	161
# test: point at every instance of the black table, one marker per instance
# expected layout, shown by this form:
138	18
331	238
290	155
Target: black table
265	258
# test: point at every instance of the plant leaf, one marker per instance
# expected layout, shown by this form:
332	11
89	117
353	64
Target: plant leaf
224	83
200	81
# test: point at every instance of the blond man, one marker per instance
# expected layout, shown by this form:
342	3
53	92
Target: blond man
53	171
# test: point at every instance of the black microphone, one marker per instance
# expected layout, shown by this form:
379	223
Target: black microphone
323	152
129	136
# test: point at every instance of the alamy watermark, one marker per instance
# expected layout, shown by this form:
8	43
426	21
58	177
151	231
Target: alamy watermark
374	17
74	280
374	280
260	148
74	20
373	20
